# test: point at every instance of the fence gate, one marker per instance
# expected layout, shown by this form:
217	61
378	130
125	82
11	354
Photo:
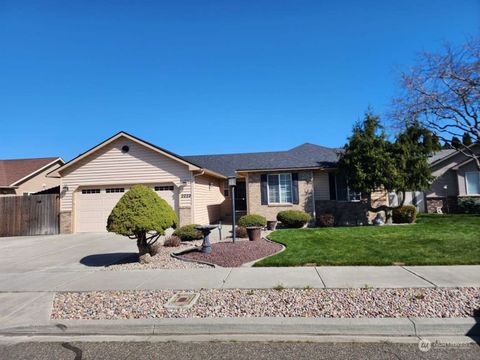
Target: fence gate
29	215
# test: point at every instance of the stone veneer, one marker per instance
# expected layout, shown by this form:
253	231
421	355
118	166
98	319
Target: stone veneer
65	222
451	206
305	194
352	213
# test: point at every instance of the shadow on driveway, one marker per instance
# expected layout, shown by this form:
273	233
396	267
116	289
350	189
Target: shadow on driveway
109	259
474	332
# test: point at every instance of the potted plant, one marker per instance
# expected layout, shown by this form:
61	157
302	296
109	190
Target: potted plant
271	225
254	224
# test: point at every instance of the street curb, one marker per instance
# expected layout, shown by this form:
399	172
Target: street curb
401	327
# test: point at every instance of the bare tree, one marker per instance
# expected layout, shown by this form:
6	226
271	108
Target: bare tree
442	92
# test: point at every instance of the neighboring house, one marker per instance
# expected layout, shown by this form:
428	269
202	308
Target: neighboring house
28	176
197	186
456	176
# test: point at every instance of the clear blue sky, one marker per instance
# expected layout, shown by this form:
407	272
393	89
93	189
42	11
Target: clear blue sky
207	76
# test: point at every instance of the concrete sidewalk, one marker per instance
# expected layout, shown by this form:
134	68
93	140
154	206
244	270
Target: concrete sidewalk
244	278
26	300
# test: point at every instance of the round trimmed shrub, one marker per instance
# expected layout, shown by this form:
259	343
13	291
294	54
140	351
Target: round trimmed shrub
293	218
405	214
188	233
142	215
252	220
241	232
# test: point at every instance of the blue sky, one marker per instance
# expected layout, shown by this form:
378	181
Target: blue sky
201	77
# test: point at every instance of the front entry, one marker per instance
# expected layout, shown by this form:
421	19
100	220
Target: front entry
241	196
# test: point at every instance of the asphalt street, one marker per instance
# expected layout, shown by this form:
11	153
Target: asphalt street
233	350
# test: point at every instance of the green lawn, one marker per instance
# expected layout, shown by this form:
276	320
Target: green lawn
433	240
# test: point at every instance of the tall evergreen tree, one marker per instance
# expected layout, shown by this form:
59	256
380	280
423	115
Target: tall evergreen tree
467	139
455	142
371	162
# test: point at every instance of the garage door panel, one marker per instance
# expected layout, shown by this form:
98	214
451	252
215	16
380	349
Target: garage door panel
92	208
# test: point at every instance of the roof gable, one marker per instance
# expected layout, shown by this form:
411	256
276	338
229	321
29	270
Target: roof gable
119	135
12	172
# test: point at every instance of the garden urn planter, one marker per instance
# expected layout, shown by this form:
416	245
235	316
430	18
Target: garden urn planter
254	233
271	225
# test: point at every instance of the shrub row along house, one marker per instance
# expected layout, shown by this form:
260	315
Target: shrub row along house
302	178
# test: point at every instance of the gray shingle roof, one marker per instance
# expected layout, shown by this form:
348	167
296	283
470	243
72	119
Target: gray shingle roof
440	155
303	156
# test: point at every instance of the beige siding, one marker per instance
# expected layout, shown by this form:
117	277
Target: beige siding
40	181
321	185
110	166
208	199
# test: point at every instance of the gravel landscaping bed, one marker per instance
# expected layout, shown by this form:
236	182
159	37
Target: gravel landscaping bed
163	260
327	303
228	254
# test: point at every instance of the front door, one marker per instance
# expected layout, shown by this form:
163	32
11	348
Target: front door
240	196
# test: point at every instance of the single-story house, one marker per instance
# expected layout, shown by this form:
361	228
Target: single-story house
197	188
28	176
456	176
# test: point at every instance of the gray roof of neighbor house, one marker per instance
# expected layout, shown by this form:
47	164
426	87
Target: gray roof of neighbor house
440	155
303	156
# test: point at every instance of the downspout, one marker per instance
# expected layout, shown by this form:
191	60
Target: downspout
192	191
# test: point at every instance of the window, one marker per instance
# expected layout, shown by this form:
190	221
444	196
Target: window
225	192
472	180
164	188
280	189
91	191
114	190
343	191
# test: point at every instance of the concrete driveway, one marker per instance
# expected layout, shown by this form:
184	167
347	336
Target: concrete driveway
63	252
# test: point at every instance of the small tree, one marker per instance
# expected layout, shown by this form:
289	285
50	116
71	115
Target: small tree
442	92
142	215
371	162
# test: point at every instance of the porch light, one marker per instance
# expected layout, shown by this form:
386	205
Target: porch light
232	181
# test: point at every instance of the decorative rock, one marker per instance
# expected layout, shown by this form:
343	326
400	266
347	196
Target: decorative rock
325	303
145	259
378	221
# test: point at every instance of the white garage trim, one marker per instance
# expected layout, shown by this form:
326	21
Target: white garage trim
93	203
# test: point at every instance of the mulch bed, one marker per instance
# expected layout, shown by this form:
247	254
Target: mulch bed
229	254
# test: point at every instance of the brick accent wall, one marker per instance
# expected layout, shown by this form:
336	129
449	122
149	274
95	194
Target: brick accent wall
352	213
345	213
65	222
305	195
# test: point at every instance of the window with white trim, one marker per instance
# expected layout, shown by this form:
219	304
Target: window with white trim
164	188
91	191
472	182
344	193
114	190
279	188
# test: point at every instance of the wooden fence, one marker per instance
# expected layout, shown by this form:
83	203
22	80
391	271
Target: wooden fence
29	215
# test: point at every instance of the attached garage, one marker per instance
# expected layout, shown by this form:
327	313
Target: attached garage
93	204
92	183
